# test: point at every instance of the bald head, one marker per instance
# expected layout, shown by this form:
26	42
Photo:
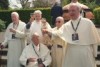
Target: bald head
59	21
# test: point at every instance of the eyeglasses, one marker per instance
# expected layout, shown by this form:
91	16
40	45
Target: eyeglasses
58	21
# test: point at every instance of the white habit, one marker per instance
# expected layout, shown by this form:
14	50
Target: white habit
35	27
80	53
29	52
15	46
58	50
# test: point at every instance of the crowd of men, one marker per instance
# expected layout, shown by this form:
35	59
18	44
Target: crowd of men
69	44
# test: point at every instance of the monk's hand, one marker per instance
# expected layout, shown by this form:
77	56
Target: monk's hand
41	65
44	30
12	30
31	59
1	46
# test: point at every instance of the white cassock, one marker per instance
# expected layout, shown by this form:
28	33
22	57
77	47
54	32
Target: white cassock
35	27
58	50
80	53
15	46
29	52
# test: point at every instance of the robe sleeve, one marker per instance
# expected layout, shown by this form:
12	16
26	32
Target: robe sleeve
23	58
58	33
5	42
21	34
95	38
47	59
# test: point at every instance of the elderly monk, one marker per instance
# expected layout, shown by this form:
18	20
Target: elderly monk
15	39
35	54
58	45
82	38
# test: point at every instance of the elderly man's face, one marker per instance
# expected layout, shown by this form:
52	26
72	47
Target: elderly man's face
59	23
38	16
74	12
35	39
14	18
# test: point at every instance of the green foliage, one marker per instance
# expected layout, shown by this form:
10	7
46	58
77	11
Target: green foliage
65	2
41	3
96	12
4	4
91	4
24	14
2	25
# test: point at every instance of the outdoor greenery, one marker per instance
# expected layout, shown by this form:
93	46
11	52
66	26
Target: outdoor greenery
24	14
97	15
2	25
4	4
45	8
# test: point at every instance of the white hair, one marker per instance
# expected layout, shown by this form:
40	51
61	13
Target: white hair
15	13
37	12
76	5
61	18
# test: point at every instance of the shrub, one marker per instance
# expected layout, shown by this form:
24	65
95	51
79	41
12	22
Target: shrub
24	14
4	4
2	25
96	12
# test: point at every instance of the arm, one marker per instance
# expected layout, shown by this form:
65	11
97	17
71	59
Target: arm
21	34
23	58
47	59
5	42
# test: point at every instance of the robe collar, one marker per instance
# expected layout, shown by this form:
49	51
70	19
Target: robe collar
36	47
76	19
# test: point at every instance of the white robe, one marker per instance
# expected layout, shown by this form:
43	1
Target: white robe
35	27
29	52
80	53
58	50
15	46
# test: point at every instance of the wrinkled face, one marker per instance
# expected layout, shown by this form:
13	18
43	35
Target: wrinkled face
35	39
59	23
74	12
38	16
14	18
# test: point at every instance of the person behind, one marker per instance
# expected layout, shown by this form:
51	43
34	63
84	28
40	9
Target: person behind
45	24
85	10
35	54
28	25
76	1
56	11
58	45
46	38
32	18
15	40
36	25
66	15
82	39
